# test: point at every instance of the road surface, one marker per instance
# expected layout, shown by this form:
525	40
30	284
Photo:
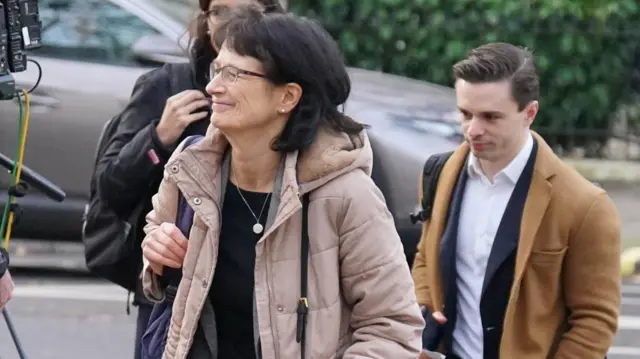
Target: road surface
71	317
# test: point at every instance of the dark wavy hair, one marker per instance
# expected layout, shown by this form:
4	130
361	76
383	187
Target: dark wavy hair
202	52
297	50
502	61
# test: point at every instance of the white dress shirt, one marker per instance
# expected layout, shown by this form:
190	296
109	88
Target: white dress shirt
483	205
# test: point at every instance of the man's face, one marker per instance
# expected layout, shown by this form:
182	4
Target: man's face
493	126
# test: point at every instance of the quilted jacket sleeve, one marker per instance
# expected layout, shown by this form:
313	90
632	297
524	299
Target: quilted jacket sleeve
376	280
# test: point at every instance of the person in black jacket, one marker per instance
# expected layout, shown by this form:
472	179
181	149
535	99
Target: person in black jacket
167	104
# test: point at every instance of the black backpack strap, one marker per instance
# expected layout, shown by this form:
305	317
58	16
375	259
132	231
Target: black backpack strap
430	176
303	304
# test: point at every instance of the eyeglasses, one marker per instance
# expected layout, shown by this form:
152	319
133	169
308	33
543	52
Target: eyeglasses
223	10
230	73
215	11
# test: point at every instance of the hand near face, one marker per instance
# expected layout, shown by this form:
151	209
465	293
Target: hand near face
180	111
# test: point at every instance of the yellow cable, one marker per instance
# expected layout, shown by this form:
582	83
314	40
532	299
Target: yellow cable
23	144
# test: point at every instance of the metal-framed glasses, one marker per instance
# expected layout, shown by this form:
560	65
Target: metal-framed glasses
230	73
215	11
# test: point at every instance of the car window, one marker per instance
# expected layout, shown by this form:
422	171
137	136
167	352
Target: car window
90	30
179	10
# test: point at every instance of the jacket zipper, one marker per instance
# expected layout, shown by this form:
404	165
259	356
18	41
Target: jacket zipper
276	342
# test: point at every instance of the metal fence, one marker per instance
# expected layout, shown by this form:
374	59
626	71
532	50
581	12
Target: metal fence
620	141
616	137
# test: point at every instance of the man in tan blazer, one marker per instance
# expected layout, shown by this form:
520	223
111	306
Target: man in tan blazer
521	256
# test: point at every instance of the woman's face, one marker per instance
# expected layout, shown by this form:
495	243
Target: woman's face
242	97
219	8
244	100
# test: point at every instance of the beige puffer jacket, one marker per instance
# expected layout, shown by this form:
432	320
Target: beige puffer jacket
362	302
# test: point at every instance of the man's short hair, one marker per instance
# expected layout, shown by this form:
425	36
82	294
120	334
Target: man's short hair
498	61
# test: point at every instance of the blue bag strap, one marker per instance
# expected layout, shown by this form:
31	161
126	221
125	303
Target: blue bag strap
184	220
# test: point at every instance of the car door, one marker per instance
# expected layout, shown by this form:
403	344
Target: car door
88	74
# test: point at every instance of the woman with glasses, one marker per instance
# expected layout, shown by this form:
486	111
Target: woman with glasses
167	104
278	145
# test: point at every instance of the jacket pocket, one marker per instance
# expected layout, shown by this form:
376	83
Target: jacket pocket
542	284
547	257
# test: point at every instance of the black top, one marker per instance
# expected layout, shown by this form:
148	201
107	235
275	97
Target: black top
231	291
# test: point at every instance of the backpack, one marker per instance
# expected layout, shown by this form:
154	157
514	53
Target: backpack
109	242
112	250
430	176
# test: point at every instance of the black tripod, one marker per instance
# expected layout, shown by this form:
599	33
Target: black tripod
18	190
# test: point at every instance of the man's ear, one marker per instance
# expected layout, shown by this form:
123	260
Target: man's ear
531	111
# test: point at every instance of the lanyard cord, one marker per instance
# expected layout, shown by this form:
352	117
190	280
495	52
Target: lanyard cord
23	125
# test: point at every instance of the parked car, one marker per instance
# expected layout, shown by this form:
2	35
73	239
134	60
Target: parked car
93	52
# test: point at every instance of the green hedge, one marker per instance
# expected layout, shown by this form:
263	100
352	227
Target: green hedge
585	49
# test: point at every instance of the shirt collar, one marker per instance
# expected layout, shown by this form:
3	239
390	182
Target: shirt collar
512	171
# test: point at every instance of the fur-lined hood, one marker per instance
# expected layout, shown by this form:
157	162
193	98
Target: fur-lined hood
331	155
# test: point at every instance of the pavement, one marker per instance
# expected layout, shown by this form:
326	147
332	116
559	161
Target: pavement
71	317
627	342
626	197
607	170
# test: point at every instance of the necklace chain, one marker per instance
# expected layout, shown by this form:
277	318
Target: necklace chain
257	228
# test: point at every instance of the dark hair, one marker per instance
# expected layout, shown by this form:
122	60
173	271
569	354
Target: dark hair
298	50
202	52
500	61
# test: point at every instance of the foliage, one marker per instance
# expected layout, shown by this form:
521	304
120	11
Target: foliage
585	49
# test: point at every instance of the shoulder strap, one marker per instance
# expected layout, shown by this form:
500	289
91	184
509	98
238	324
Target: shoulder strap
184	216
430	176
303	304
184	221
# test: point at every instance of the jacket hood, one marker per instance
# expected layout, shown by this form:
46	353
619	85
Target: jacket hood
331	154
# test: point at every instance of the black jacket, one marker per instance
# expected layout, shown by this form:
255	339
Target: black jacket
125	174
4	261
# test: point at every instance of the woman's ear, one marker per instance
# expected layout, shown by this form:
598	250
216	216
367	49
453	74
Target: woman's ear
289	98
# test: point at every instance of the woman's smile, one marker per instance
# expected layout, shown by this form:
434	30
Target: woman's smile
219	106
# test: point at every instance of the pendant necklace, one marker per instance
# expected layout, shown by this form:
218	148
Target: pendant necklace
258	227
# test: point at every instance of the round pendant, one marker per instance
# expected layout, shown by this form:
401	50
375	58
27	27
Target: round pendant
257	228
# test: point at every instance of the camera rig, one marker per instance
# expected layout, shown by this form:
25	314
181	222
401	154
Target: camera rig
20	30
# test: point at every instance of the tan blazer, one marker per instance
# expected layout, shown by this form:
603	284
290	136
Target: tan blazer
565	297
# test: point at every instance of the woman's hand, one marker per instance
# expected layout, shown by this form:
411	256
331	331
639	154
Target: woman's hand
165	246
179	113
